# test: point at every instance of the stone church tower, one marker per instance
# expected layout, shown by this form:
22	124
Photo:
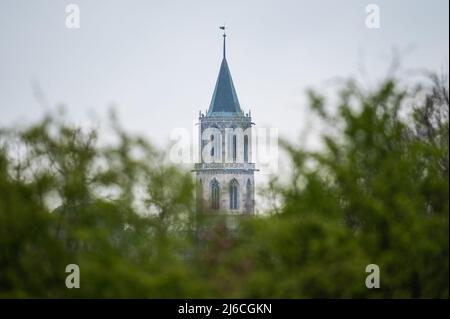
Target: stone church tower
225	174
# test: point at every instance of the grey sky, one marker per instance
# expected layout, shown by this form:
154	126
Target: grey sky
157	61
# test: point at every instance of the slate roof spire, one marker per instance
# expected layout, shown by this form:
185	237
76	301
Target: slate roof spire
224	101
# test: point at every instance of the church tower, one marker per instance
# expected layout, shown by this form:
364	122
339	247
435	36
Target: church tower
225	174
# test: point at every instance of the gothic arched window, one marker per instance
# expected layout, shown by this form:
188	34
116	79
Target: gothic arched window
234	185
212	148
248	195
215	194
245	148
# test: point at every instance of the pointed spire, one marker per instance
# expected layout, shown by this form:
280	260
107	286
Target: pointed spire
224	101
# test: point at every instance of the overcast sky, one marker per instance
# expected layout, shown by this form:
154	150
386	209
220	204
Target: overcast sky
157	61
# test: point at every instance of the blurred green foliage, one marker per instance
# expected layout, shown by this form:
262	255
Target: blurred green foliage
376	193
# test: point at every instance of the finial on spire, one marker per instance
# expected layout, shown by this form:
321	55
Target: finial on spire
224	36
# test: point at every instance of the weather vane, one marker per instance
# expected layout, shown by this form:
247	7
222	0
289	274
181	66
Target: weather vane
224	36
